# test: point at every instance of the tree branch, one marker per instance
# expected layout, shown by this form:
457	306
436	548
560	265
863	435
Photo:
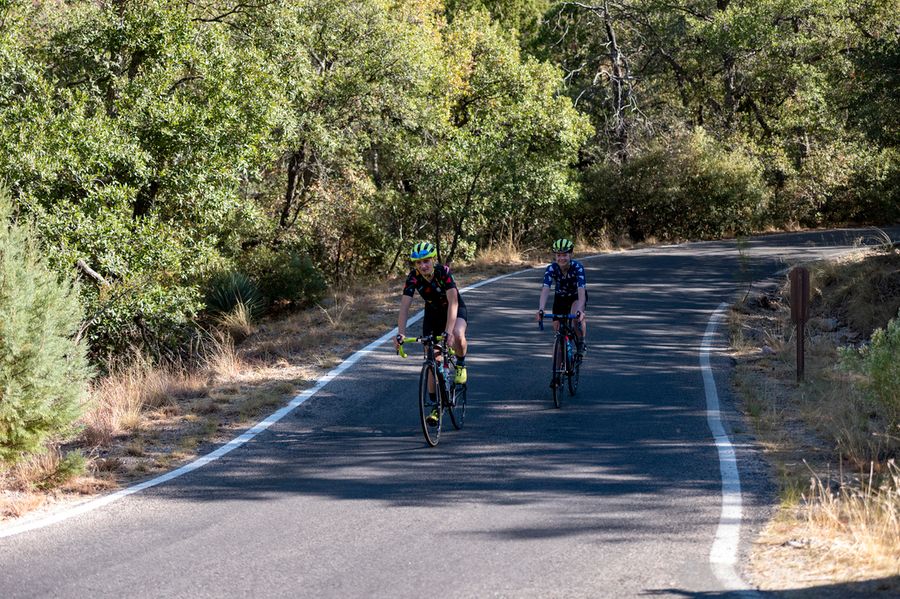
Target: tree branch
82	265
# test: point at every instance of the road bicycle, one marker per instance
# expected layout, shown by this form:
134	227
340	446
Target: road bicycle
449	397
565	363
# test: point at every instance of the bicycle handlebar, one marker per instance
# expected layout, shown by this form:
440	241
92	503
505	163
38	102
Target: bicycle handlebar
428	339
544	315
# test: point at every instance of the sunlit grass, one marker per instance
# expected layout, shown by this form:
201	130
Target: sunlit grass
860	518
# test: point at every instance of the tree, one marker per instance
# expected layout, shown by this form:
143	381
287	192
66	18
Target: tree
43	371
509	139
129	145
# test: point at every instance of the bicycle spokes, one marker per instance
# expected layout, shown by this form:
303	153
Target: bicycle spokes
430	409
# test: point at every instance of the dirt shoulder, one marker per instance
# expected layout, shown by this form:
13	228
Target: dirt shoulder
816	434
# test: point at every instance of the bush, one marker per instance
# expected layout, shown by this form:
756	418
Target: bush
287	275
692	187
880	363
43	372
872	191
228	289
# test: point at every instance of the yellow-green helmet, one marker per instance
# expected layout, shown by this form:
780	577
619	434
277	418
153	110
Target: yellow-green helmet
422	250
563	245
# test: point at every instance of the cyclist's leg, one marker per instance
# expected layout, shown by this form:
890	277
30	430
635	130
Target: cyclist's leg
461	344
581	330
561	305
428	328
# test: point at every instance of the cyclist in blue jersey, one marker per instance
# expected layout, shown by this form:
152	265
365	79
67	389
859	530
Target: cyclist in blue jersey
566	275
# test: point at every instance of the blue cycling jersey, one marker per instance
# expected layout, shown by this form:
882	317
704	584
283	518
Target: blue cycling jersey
566	284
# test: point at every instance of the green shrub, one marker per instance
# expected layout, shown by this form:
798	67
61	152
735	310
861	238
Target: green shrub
880	363
872	191
71	465
228	289
287	275
690	187
43	372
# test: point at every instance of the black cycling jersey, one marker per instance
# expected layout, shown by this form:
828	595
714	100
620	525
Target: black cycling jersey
434	292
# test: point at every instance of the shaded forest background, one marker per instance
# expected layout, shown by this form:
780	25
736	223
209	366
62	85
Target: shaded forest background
178	157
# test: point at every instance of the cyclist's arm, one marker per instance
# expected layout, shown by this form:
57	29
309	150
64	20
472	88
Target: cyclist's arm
405	302
452	308
545	293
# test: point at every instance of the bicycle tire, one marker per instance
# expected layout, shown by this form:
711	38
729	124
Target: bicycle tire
432	433
559	362
574	372
458	406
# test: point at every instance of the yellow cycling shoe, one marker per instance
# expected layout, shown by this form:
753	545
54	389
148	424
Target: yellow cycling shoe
461	376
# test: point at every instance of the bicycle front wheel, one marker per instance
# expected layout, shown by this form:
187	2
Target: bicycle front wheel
430	411
458	406
559	367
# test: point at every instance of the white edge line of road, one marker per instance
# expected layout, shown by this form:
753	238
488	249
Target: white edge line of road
90	505
724	553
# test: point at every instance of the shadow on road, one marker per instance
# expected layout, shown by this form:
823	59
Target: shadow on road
882	588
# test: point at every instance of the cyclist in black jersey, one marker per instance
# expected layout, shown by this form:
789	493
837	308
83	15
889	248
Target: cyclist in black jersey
570	297
445	310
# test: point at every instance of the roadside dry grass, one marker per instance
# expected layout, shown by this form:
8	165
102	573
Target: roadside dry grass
830	451
144	420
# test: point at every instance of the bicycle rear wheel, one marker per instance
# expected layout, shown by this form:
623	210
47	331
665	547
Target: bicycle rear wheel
458	406
559	366
427	406
573	371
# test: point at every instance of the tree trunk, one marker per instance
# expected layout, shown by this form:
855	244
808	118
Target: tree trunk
437	231
620	88
729	69
291	192
300	176
458	224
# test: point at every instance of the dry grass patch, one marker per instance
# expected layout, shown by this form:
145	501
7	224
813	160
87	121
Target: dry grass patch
118	403
501	257
863	516
238	323
15	504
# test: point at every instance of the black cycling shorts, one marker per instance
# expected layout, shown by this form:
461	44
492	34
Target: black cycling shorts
435	321
563	304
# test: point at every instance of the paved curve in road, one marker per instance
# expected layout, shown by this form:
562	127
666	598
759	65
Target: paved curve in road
617	494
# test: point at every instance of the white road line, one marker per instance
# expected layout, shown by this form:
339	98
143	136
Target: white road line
65	514
723	555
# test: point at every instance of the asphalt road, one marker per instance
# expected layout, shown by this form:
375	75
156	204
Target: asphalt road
617	494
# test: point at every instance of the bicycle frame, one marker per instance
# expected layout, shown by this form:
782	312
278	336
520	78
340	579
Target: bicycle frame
448	396
429	342
566	326
565	336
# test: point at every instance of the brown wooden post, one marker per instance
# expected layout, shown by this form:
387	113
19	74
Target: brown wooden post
800	311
